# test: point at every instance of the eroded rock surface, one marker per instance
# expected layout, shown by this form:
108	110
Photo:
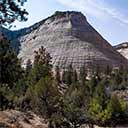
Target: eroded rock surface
70	39
16	119
123	49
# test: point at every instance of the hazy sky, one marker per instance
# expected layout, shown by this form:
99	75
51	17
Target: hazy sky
108	17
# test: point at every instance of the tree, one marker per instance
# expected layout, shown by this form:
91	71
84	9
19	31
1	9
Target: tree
82	75
74	77
98	105
11	10
40	76
124	83
67	75
116	108
3	97
74	115
12	82
10	67
92	84
28	67
116	79
45	98
99	115
108	70
57	74
101	93
41	67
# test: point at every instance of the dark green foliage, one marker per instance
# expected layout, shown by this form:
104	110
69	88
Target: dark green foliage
74	115
108	70
12	82
10	66
98	102
57	120
11	10
45	97
124	82
28	67
85	100
116	107
38	75
118	79
41	66
3	100
106	108
7	97
82	75
67	75
57	74
100	94
92	84
74	77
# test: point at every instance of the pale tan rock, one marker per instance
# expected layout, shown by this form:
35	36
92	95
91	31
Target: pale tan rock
69	39
16	119
123	49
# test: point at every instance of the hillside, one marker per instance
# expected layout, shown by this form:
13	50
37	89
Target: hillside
69	38
17	119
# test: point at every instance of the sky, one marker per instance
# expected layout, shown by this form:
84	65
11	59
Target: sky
108	17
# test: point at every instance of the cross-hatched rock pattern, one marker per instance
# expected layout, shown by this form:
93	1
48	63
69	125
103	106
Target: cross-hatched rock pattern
69	39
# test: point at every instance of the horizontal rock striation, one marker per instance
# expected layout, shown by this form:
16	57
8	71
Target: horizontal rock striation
70	39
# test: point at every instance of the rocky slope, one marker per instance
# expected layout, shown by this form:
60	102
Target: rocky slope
122	49
16	119
69	38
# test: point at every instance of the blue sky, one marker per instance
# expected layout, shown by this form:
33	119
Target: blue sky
108	17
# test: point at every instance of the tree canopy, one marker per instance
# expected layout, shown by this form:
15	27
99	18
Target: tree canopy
12	10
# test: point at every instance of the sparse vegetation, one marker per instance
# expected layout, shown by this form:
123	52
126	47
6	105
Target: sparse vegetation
36	88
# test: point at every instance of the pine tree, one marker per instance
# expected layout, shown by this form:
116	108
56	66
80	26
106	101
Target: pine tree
41	67
74	77
82	75
115	105
45	97
92	85
57	74
28	67
116	79
101	94
108	70
67	75
10	67
98	105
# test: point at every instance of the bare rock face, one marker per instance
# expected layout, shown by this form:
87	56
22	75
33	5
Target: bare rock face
70	39
17	119
123	49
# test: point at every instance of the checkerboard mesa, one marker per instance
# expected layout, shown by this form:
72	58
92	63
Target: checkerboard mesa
69	39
